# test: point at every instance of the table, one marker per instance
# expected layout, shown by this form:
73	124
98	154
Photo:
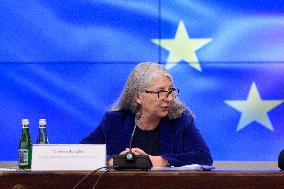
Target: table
144	179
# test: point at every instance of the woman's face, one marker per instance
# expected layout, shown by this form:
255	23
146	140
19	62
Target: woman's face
151	104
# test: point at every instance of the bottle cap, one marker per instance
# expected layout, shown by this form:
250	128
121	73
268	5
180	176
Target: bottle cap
42	121
25	121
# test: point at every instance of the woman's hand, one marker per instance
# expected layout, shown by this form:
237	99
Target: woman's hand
138	151
158	161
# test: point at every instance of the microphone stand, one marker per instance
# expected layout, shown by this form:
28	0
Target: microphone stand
130	160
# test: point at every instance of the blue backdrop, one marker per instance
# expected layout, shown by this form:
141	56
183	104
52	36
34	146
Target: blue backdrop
67	61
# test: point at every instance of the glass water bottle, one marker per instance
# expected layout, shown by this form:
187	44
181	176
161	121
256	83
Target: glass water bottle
42	135
25	147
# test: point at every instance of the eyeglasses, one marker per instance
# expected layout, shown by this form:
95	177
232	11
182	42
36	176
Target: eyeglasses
164	94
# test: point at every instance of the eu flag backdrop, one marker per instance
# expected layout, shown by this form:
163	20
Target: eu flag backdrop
67	61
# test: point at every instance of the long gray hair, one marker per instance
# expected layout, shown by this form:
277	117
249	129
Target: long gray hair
139	79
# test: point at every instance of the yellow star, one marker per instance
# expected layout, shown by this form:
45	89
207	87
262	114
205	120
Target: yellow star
254	109
182	47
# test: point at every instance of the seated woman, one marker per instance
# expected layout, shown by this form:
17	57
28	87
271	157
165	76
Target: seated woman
165	129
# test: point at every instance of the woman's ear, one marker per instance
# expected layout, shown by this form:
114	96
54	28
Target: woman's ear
138	99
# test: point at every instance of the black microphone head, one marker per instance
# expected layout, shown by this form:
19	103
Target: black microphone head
281	160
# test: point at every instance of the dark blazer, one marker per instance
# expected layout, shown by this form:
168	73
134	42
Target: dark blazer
180	141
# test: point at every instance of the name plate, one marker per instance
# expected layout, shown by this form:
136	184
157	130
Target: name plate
50	157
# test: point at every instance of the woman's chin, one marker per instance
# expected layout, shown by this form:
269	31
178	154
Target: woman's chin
163	113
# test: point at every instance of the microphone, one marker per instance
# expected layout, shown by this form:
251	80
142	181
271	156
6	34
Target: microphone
130	160
281	160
